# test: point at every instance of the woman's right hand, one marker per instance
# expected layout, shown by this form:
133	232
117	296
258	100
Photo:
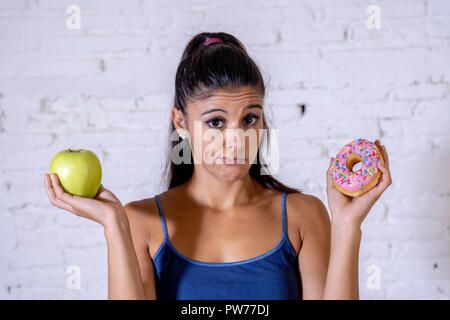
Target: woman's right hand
105	207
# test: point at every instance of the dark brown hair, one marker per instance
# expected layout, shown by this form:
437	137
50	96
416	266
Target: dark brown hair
202	70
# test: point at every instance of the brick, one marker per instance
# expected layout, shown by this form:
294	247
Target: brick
109	87
438	7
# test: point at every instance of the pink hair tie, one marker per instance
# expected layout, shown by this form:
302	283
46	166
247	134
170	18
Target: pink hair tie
212	40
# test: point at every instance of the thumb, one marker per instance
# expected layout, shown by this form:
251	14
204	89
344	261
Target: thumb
329	177
100	190
105	194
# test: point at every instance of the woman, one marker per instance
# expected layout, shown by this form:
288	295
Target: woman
215	233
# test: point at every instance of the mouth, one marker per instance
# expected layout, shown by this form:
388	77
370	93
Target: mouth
233	160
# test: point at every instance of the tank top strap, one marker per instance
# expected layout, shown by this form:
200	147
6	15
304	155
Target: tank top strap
283	212
161	215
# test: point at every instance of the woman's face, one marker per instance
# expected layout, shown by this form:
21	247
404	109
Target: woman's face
224	128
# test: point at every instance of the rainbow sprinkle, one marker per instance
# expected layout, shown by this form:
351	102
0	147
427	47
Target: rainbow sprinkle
349	180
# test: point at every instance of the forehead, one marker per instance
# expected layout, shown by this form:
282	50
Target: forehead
241	96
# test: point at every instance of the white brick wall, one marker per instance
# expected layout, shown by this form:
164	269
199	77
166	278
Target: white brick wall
108	87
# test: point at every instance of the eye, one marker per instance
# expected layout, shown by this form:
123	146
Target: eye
251	119
214	122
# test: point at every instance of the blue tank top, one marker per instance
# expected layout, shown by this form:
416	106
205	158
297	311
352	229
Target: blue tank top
273	275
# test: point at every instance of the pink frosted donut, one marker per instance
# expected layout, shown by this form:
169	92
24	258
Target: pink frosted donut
358	182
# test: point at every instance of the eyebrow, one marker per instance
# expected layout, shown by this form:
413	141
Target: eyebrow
225	111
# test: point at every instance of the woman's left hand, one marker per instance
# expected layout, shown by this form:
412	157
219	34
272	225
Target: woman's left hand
351	211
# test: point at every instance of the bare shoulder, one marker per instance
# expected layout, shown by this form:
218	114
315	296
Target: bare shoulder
142	215
306	201
310	213
142	208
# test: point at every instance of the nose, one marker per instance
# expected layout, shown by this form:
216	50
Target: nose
235	143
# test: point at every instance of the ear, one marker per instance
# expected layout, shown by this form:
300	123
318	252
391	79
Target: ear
178	121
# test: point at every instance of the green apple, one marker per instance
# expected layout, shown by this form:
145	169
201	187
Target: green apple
79	172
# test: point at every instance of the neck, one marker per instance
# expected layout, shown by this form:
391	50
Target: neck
209	191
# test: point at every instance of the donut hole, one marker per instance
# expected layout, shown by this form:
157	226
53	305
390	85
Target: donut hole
354	162
357	166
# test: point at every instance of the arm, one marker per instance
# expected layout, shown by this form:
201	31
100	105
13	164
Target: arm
315	249
124	274
336	251
124	278
347	215
130	270
342	275
328	259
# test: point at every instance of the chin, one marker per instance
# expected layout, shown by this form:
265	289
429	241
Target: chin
232	173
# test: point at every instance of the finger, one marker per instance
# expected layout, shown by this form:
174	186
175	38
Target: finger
378	189
81	205
105	194
100	190
385	156
329	176
383	152
51	195
385	180
386	173
59	192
